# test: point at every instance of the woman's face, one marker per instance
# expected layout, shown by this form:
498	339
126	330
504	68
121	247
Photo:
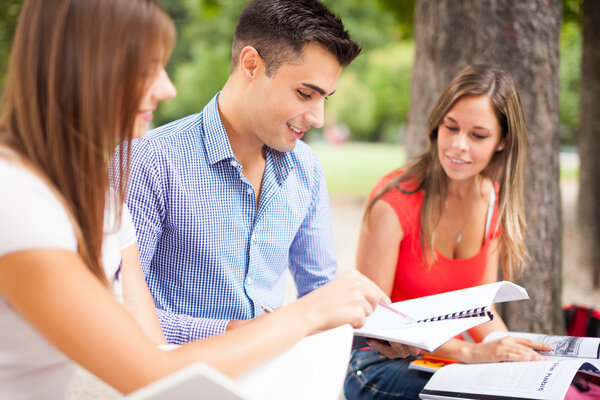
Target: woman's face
468	137
159	88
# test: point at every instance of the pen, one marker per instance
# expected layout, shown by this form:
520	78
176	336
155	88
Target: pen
266	308
408	317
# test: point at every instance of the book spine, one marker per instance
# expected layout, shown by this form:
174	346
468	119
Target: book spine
474	312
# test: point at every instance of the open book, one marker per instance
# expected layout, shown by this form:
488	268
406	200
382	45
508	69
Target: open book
428	322
549	379
314	368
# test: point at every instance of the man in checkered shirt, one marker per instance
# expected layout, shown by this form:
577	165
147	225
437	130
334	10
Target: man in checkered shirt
227	200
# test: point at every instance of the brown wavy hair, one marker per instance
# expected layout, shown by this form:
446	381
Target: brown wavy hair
77	74
506	167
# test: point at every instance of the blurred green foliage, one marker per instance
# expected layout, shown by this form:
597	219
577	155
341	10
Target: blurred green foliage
570	60
372	99
570	69
373	93
9	10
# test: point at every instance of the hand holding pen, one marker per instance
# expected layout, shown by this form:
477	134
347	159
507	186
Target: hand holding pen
348	299
408	318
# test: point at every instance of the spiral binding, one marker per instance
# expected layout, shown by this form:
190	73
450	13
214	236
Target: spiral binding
474	312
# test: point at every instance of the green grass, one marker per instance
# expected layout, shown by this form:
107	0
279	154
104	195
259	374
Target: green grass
569	173
354	168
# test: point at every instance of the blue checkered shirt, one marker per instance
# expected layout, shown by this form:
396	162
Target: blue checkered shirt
208	253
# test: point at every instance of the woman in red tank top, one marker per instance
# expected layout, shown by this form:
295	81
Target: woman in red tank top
442	222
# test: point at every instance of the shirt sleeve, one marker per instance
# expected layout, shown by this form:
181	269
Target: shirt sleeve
127	235
181	328
313	261
145	200
147	204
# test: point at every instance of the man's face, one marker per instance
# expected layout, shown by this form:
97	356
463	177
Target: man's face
284	106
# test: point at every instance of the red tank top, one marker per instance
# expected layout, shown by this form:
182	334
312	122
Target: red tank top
413	278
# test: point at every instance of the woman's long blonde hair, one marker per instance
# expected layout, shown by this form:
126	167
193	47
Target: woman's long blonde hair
77	74
506	167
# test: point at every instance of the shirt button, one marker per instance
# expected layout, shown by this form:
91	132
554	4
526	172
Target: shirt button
249	191
234	164
250	281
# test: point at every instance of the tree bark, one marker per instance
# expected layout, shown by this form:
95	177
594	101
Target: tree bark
522	37
589	143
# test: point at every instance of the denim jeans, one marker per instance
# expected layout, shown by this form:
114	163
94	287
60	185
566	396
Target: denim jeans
374	376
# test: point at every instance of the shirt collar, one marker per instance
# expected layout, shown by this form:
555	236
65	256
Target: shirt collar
218	147
216	141
282	162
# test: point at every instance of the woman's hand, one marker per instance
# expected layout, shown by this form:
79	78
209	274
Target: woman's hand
348	299
392	349
508	348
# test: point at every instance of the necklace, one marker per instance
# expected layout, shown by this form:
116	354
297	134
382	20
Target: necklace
459	233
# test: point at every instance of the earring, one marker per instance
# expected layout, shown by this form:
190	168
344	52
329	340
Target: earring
499	148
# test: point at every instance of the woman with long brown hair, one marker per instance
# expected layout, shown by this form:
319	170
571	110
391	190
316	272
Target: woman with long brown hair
447	221
84	76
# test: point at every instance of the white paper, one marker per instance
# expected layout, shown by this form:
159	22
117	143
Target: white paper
544	380
459	300
315	368
387	325
312	369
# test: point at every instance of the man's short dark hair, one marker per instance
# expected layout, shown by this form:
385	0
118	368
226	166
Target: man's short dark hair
279	30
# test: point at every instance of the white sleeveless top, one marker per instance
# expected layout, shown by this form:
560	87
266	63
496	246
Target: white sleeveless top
31	217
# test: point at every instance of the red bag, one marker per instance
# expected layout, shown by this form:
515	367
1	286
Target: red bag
582	321
581	389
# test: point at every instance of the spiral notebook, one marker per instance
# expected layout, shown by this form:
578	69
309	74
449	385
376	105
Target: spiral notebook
428	322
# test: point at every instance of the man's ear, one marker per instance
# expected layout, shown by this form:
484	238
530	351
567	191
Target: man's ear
250	63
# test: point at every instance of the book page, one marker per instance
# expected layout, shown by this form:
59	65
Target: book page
428	336
388	325
545	380
460	300
562	346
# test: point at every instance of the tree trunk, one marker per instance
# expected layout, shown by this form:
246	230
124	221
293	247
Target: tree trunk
522	38
589	143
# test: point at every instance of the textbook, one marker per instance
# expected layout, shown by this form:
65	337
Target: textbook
314	368
430	321
430	363
548	379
